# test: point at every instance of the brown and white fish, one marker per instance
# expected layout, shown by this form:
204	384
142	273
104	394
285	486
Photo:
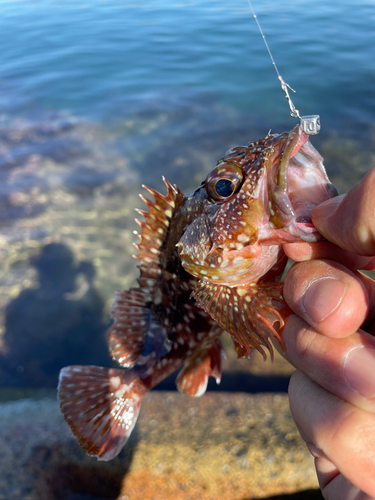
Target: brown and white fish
209	261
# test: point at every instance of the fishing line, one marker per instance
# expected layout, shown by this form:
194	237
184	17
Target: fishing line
309	124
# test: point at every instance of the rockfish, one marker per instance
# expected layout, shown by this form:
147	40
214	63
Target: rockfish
209	262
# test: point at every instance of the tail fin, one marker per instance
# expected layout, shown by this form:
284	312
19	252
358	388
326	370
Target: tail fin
101	406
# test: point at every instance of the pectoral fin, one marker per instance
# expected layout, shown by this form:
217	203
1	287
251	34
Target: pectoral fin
250	313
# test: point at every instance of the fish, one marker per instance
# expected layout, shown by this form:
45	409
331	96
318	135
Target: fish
209	262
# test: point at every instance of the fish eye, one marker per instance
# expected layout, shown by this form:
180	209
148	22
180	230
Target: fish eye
223	181
224	187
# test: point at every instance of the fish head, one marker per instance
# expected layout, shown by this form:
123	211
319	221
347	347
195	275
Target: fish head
254	200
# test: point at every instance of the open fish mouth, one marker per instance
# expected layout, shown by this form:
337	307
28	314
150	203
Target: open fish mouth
256	199
302	184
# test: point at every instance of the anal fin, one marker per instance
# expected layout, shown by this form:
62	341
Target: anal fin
101	406
193	378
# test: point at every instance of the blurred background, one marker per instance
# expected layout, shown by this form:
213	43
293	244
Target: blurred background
100	96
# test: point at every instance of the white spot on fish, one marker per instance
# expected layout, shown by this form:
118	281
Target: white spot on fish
243	237
115	382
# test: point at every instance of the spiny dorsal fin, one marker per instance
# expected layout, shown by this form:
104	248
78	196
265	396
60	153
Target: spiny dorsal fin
154	231
127	335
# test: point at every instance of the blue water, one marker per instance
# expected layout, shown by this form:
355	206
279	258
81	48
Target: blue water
103	59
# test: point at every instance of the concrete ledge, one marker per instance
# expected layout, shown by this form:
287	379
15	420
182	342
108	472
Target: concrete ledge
221	446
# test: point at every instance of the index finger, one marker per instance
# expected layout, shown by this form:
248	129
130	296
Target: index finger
303	251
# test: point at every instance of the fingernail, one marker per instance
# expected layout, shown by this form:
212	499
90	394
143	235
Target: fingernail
322	297
359	369
327	208
315	451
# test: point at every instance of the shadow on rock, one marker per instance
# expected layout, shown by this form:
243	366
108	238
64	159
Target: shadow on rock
300	495
57	324
64	472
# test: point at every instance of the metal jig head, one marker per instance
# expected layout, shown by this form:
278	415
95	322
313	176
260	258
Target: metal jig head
310	124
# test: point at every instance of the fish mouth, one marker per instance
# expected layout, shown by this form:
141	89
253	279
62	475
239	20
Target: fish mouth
301	184
292	182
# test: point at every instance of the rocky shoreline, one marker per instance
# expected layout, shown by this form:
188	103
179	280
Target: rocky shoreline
221	446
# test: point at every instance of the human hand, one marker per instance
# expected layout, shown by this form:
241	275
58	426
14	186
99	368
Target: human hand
330	341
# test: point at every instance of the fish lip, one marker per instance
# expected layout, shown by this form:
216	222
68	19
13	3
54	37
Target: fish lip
301	193
278	181
301	184
300	141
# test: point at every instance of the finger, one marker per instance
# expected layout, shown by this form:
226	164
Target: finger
369	284
345	434
327	296
345	367
333	484
302	251
339	488
349	220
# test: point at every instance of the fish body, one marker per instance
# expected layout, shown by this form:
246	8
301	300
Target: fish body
209	262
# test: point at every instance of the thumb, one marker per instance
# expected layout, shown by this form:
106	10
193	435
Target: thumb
349	220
